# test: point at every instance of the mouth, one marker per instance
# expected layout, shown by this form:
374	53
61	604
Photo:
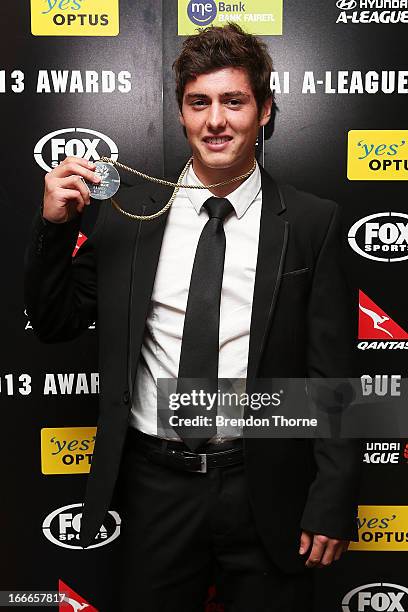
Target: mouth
217	143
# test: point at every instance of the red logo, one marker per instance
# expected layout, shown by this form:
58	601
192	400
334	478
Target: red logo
374	323
80	241
72	602
406	451
212	604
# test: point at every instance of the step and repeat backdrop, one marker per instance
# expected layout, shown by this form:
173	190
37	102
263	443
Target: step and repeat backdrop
92	78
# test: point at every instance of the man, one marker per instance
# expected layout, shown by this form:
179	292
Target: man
243	280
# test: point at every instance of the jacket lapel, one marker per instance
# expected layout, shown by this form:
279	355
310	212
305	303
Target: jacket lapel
146	251
273	237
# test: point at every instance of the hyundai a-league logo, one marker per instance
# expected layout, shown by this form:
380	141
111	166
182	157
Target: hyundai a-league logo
346	5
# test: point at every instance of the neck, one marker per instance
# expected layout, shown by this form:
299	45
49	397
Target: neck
209	176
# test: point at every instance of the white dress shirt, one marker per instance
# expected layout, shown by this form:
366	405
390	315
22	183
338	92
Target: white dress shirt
160	352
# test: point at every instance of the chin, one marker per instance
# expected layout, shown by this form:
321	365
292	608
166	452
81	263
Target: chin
217	161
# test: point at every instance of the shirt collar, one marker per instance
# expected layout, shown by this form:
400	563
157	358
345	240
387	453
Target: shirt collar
241	198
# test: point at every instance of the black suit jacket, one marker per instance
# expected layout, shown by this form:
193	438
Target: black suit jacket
300	327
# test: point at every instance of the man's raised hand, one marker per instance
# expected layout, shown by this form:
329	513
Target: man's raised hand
65	193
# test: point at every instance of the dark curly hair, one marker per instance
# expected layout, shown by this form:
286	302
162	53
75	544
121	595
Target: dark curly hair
222	47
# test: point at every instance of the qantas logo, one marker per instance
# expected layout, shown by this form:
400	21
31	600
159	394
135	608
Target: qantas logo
376	319
71	601
80	241
374	323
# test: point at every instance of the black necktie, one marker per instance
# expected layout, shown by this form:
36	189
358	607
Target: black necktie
198	367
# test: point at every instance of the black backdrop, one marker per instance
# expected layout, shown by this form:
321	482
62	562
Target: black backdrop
307	149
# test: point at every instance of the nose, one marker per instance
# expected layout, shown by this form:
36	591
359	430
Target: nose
216	120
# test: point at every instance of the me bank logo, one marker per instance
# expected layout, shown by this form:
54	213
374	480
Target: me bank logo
202	13
75	17
254	16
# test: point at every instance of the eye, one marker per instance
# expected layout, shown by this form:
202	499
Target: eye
199	103
234	102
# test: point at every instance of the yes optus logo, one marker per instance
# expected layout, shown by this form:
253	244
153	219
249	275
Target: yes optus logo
377	155
75	17
382	528
202	13
67	450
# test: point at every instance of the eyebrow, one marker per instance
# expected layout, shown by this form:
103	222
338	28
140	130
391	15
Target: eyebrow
226	94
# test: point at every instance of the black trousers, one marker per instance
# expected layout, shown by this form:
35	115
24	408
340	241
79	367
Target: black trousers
183	532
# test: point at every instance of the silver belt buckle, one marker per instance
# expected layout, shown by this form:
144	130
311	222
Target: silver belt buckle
203	466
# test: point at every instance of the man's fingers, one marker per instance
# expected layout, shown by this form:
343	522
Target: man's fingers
341	549
79	160
332	547
73	194
83	188
75	182
325	550
319	545
305	542
73	168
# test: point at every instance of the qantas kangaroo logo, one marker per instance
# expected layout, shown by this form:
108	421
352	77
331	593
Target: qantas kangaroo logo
71	601
374	323
377	319
75	604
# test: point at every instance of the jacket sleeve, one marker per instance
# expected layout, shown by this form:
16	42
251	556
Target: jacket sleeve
59	290
331	508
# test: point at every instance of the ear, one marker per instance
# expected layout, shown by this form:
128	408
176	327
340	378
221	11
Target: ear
181	119
266	112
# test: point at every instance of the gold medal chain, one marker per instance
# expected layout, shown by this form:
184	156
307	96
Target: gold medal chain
159	212
177	186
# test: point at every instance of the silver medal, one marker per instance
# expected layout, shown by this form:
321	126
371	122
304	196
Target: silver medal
110	181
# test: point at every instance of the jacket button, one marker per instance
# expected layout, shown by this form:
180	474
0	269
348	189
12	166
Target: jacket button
126	397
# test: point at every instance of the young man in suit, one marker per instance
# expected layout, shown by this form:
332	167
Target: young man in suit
240	281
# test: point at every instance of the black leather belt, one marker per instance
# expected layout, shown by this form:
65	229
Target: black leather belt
174	454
